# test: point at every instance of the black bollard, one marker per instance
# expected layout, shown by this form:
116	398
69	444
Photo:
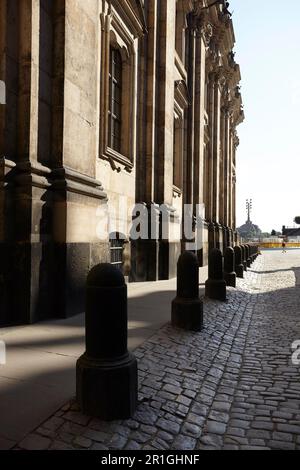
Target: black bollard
106	374
239	267
244	259
253	253
248	259
229	266
215	286
187	307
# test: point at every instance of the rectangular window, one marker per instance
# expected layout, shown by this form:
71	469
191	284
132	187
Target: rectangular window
115	100
178	154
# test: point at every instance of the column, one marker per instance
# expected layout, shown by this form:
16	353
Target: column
230	179
145	253
216	149
211	118
77	195
199	133
165	97
222	174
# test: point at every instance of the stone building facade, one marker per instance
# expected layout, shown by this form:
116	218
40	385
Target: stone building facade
110	103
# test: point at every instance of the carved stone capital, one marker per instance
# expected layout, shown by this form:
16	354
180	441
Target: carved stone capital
206	32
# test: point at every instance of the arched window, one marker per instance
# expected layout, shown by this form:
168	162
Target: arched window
115	100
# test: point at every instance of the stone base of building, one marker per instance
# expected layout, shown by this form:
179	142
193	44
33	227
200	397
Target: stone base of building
220	236
153	260
45	280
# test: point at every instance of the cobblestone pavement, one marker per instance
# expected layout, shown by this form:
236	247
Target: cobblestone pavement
232	386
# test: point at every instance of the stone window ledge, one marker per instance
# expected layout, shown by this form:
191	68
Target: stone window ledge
115	157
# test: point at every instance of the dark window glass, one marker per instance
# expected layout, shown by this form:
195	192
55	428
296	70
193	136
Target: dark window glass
115	100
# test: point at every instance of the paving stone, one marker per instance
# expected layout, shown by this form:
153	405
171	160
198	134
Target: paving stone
165	436
213	427
218	416
201	410
235	432
99	447
221	406
289	428
281	445
195	419
267	426
65	437
230	447
238	423
140	437
182	411
117	442
259	434
146	416
212	440
148	429
35	442
257	442
184	400
168	426
191	430
54	423
46	433
97	436
76	417
82	442
184	443
236	440
282	436
133	445
229	387
249	447
172	389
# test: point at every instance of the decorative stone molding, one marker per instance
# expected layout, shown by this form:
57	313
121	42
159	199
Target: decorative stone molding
132	13
181	94
32	174
121	24
206	31
69	180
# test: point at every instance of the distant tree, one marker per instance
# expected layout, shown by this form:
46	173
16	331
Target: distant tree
297	220
273	233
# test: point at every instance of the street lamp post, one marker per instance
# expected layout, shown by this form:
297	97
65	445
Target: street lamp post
248	208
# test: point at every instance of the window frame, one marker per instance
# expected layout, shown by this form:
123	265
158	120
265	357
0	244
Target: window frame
115	83
115	36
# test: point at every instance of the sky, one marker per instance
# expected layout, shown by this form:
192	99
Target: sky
268	164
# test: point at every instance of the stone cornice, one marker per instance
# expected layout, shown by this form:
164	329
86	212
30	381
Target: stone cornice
132	13
66	179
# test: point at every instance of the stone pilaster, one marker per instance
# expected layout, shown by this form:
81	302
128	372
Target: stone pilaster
210	173
165	89
77	195
216	148
145	253
202	41
27	180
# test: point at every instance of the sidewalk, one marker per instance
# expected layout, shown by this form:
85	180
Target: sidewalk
231	386
39	376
